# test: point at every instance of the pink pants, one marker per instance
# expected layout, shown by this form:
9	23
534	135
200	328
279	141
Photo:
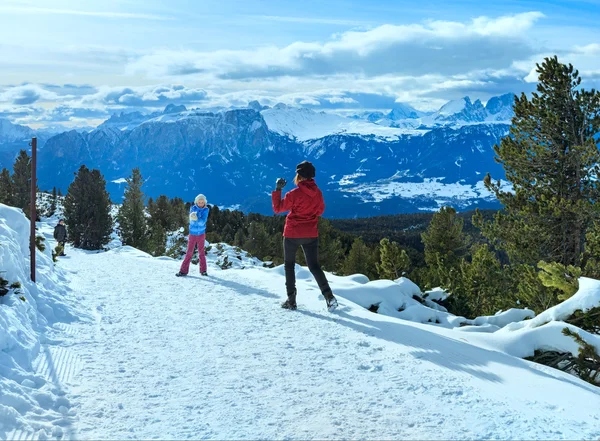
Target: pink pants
194	240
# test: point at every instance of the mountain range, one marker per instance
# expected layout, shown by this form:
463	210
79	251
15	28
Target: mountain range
398	161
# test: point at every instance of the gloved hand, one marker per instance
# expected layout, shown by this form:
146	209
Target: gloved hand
193	216
280	184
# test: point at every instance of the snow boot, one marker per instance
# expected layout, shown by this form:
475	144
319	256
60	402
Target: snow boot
180	274
204	273
290	303
332	302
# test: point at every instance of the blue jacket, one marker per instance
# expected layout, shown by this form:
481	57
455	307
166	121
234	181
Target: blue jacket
198	227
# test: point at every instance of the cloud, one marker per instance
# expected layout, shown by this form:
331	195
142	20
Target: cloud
26	94
441	47
145	96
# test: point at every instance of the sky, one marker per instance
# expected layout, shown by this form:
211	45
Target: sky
75	63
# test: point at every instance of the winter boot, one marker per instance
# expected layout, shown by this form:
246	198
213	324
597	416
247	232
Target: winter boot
290	303
180	274
204	273
332	302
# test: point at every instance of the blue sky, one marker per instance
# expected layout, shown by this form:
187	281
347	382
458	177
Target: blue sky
76	62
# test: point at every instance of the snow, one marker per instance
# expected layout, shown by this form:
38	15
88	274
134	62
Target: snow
384	189
430	187
29	400
305	124
154	356
586	298
10	132
452	107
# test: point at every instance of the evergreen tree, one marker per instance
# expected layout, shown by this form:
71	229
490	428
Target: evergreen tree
162	212
257	242
445	245
87	210
563	278
551	159
591	257
157	239
59	193
53	202
180	215
331	251
132	217
21	181
394	261
359	259
240	238
482	286
6	188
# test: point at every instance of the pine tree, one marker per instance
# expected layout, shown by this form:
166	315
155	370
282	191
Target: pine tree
21	181
87	210
394	261
240	238
180	215
257	242
551	158
131	216
591	256
359	259
445	245
157	239
331	251
53	202
59	193
6	188
162	212
483	284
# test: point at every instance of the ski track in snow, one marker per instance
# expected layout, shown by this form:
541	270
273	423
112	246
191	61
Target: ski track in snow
217	358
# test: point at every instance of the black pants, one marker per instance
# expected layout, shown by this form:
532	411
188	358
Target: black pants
310	246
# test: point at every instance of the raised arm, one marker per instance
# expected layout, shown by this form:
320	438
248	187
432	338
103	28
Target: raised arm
282	205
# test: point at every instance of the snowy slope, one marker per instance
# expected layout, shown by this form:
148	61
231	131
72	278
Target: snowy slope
216	357
30	398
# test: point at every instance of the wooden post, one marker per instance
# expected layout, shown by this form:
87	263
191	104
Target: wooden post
32	213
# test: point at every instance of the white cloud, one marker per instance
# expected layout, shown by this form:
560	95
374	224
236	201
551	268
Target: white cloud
27	94
442	47
144	96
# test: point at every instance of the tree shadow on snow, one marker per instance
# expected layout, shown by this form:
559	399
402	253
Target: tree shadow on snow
438	349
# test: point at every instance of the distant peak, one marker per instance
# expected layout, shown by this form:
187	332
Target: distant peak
172	108
255	105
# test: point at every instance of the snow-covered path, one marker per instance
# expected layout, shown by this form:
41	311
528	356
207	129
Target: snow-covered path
218	358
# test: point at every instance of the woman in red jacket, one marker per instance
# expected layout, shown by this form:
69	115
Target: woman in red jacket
305	205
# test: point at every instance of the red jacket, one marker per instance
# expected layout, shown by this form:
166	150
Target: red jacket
305	204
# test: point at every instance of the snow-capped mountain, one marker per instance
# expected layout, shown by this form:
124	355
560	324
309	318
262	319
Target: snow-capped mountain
460	111
10	133
129	121
500	108
305	124
15	137
363	168
377	163
404	111
455	113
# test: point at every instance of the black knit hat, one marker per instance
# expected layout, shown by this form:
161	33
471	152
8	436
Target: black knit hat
306	170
